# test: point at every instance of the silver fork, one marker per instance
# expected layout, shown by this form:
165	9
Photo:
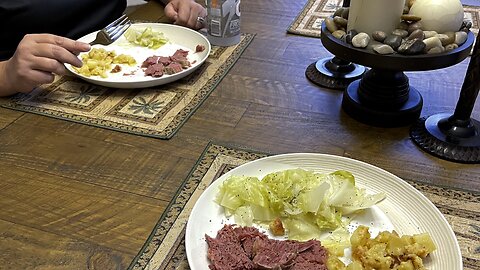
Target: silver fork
112	31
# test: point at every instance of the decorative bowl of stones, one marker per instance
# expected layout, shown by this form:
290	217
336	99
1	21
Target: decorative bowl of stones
410	47
383	96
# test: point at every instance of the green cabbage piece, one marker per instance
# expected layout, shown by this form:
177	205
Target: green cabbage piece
337	241
146	37
306	202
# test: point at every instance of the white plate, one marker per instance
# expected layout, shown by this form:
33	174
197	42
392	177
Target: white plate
179	38
405	209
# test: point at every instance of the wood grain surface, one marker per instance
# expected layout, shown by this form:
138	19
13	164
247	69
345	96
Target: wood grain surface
74	196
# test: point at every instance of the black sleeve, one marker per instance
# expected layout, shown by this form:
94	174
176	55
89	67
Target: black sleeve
68	18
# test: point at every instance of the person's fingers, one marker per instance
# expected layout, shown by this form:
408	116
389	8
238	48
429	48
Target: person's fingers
33	79
171	12
192	20
49	65
71	45
57	53
201	13
41	77
184	13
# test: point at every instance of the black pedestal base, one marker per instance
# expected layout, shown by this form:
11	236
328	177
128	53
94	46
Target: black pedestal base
430	137
333	73
404	115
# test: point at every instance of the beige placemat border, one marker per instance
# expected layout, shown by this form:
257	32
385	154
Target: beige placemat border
165	248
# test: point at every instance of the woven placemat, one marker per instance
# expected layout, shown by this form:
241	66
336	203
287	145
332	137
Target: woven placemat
156	112
165	248
309	20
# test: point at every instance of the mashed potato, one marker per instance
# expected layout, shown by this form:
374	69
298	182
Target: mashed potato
386	251
98	62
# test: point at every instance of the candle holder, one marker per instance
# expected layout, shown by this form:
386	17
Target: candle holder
383	96
335	72
454	137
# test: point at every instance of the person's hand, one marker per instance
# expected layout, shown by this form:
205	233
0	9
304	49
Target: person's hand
36	61
185	13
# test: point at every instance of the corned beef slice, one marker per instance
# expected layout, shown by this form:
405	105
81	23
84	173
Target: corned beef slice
199	48
226	252
313	258
180	56
274	254
164	60
170	65
155	70
172	68
248	236
180	53
248	248
150	61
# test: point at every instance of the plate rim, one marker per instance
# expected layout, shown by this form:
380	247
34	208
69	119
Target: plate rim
397	179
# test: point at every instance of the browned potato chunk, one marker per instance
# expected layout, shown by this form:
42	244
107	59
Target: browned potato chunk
276	227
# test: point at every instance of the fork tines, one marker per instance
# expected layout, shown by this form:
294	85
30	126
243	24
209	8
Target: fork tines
118	27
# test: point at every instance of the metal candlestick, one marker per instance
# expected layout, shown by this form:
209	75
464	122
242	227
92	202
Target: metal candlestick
454	137
334	72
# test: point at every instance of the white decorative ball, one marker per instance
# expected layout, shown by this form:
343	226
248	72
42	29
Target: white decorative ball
439	15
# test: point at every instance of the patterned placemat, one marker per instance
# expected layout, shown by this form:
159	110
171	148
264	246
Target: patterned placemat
309	20
165	248
156	112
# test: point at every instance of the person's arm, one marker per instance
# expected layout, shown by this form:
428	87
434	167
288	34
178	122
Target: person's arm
37	59
184	12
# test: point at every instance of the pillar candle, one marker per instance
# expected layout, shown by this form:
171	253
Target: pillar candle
372	15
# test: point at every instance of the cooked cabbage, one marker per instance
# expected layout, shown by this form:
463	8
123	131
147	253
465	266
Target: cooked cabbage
146	37
306	202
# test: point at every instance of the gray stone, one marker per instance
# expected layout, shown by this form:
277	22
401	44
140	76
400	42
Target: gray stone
361	40
383	49
429	34
414	26
450	47
349	36
446	39
338	12
432	42
331	26
436	50
466	26
400	32
379	36
411	47
393	40
339	34
416	34
403	25
342	22
460	37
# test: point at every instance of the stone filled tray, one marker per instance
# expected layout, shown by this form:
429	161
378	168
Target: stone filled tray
396	61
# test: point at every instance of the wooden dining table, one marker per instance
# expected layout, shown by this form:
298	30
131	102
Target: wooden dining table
76	196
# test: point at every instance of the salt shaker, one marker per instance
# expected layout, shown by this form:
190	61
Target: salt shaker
223	22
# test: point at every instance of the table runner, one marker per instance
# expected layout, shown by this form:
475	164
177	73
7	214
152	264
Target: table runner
309	21
165	248
156	112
